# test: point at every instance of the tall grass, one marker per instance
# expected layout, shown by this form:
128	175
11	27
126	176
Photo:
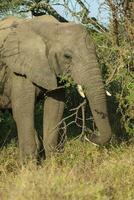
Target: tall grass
83	172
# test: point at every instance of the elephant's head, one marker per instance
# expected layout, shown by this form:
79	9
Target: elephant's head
48	50
73	53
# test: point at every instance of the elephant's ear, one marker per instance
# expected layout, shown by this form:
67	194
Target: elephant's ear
25	54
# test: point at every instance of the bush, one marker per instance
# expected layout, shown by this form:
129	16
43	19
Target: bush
116	65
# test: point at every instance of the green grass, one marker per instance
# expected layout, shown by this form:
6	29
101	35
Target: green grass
82	172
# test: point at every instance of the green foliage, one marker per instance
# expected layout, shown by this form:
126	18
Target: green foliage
116	64
66	80
7	128
9	7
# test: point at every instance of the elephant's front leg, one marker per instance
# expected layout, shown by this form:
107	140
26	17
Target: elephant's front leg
53	112
23	100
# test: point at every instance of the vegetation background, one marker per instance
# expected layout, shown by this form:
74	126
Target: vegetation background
83	171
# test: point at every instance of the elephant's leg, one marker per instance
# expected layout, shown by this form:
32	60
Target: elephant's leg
53	112
23	100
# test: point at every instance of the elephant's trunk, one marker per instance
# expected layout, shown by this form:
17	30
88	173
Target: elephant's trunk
97	99
90	78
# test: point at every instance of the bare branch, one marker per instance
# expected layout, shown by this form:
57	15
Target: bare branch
63	121
83	16
114	11
48	8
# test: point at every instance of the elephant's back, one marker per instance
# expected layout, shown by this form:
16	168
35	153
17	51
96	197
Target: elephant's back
9	21
45	18
6	26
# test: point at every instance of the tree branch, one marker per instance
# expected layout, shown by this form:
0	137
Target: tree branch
34	8
114	11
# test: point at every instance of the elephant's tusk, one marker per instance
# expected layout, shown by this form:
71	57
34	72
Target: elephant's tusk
80	90
108	93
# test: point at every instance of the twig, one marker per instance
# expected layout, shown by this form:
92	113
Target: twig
83	122
112	75
64	128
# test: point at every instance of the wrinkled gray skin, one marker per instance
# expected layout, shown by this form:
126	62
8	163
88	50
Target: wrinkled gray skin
34	53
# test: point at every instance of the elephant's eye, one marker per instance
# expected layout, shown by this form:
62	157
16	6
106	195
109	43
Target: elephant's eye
67	56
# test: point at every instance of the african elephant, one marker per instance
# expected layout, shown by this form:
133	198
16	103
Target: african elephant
34	55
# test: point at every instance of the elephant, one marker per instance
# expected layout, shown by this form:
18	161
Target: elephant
35	53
